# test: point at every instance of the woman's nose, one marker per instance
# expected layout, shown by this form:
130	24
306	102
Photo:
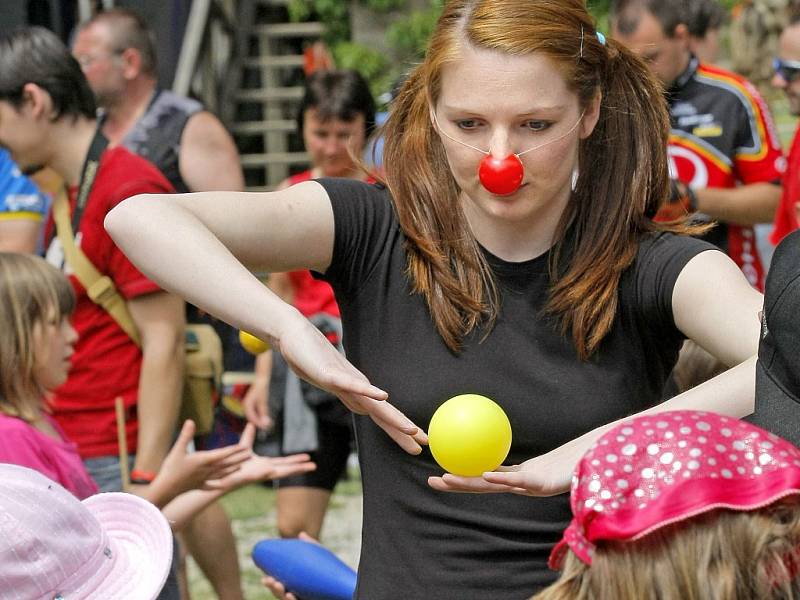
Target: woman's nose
500	145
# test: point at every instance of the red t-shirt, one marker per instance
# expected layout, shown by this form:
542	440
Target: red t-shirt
786	214
106	362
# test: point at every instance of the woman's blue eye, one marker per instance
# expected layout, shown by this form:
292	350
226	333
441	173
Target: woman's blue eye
467	124
537	125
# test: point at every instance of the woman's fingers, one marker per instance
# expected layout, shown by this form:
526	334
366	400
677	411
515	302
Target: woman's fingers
391	416
526	480
473	485
402	439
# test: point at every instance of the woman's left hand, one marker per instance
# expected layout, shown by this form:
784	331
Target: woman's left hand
545	475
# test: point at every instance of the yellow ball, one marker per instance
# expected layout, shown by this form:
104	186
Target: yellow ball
469	434
251	343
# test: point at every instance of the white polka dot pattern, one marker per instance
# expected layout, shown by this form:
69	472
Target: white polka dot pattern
654	470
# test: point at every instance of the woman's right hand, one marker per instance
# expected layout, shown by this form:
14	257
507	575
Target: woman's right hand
315	359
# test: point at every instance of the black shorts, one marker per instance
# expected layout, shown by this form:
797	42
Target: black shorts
334	431
330	458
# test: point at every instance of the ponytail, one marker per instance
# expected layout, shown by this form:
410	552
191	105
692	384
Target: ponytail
622	180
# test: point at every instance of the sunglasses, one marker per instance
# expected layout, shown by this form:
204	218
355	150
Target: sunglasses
788	70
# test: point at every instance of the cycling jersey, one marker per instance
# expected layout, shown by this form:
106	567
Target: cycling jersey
19	196
722	136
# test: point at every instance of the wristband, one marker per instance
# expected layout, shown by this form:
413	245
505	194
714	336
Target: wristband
139	477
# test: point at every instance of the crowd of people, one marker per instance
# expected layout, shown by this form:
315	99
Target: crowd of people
613	297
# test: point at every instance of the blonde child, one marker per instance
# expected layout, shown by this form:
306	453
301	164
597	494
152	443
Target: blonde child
682	505
37	340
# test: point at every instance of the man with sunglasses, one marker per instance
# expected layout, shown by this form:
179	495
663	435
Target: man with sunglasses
723	149
787	78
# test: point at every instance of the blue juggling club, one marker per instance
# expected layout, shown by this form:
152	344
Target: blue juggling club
308	570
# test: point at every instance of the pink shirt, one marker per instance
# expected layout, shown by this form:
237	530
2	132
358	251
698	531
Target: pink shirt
22	444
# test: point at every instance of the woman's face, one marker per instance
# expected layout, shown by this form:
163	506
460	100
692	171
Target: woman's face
53	347
330	143
509	104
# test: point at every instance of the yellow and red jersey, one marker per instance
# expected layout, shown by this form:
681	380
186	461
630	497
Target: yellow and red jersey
722	136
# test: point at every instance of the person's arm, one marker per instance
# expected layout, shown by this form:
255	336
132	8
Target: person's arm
19	235
208	158
267	232
713	305
183	508
744	205
159	317
190	481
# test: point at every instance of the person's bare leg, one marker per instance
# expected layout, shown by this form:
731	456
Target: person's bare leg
209	539
301	509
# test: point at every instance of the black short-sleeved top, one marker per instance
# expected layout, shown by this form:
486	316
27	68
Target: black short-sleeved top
422	544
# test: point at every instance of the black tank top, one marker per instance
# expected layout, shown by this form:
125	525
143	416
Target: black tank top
156	136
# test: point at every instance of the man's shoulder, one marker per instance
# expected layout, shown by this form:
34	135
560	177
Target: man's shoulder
723	81
168	98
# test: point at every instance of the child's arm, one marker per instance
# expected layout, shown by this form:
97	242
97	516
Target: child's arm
182	471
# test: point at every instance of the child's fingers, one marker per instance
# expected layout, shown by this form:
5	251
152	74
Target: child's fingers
186	435
248	436
235	459
290	470
211	457
291	459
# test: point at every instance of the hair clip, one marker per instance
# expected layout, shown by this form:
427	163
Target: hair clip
600	37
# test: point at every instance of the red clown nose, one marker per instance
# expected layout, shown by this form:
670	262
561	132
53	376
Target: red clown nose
501	176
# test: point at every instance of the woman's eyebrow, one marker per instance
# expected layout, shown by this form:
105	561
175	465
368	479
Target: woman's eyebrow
544	108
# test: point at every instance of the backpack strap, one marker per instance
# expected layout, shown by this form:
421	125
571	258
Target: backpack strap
100	288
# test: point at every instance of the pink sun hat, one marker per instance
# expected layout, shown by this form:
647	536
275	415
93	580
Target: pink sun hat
651	471
55	547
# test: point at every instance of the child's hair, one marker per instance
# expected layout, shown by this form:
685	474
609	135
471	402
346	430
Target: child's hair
32	292
682	505
721	555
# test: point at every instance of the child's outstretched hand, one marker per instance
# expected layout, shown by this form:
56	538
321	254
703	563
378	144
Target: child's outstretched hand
260	468
182	471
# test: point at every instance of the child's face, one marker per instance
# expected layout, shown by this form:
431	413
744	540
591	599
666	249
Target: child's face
53	347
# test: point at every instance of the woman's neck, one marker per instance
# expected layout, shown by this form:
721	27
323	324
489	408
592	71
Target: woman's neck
515	241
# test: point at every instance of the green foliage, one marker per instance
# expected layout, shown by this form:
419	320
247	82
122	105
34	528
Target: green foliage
334	13
383	5
409	37
373	65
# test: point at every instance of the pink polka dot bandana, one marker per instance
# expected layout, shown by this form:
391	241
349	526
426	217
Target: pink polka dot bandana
655	470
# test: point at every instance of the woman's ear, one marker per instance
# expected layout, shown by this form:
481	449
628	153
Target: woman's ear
591	116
